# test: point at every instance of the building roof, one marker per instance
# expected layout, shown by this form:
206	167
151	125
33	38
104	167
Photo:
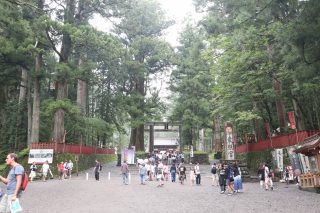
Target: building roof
166	142
310	143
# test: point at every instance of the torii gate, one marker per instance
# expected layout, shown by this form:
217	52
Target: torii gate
149	126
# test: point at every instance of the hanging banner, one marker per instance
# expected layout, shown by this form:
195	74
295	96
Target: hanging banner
229	142
279	158
292	120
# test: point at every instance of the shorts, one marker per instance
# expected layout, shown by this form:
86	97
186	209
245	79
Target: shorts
5	203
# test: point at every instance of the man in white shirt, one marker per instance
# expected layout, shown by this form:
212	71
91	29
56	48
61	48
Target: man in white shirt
70	166
197	172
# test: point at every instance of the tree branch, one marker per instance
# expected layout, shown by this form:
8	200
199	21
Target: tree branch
52	44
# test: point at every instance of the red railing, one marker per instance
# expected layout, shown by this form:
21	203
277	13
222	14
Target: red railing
71	148
276	142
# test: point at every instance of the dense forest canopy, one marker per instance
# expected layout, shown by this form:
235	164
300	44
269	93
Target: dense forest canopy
246	61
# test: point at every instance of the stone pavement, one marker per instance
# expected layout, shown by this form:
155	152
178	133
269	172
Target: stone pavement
79	195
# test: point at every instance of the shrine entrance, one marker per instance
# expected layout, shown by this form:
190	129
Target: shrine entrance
164	136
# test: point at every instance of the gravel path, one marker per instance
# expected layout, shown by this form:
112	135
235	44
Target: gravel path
81	195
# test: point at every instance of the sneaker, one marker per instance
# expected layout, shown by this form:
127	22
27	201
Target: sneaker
221	192
229	193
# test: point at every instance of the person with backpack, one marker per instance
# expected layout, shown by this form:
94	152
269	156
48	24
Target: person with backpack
215	177
13	181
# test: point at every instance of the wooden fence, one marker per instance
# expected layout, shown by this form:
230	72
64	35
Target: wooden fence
276	142
71	148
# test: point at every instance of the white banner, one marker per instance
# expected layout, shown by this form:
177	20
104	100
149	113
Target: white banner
128	155
279	158
40	156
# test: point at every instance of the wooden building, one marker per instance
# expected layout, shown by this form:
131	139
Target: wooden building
310	147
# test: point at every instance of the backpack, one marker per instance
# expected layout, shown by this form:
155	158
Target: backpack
24	181
214	170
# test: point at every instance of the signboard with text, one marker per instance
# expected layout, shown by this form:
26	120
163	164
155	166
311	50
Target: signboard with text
229	141
40	156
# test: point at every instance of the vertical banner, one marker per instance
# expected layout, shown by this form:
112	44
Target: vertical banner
229	142
128	156
279	158
292	120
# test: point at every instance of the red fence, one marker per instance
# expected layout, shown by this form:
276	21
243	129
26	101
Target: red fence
71	148
276	142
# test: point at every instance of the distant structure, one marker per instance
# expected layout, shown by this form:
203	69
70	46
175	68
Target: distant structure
163	143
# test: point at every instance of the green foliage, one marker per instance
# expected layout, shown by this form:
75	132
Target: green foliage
254	159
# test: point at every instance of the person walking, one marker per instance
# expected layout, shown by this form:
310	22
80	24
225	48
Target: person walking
13	182
125	172
33	170
96	170
215	177
261	175
182	173
173	171
268	178
160	175
197	172
142	173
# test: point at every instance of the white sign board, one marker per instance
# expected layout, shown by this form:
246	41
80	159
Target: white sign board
40	156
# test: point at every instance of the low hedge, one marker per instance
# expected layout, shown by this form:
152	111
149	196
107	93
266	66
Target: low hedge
85	161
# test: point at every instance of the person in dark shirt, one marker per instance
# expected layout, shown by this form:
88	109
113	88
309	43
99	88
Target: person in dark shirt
97	170
182	173
222	178
173	171
230	179
261	175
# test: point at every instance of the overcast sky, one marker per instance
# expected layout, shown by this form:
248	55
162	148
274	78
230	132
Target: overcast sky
177	10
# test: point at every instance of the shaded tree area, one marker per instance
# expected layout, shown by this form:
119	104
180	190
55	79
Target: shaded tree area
263	58
64	81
